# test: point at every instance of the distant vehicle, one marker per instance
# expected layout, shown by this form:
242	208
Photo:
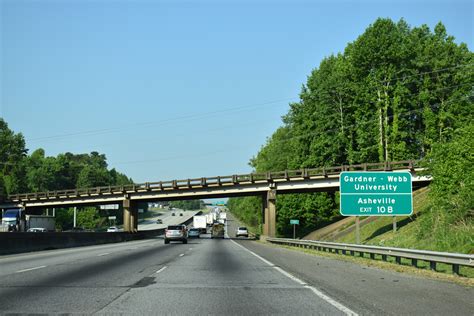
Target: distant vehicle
176	233
209	219
194	232
242	232
173	214
180	214
37	230
159	221
16	220
41	221
217	230
112	229
223	216
200	222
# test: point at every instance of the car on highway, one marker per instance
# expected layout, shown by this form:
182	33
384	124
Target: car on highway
159	221
194	232
176	233
37	230
180	214
112	229
173	214
242	232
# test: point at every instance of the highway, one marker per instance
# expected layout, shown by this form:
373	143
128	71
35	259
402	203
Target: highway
167	218
209	276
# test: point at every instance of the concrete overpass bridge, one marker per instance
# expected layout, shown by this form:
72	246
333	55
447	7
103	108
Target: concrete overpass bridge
267	185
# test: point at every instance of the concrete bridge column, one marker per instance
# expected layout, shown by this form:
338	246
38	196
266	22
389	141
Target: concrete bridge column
130	216
269	219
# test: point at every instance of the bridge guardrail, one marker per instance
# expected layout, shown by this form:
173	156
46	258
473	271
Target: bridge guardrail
433	257
286	175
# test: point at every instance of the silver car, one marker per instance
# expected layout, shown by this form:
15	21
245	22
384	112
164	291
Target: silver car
176	233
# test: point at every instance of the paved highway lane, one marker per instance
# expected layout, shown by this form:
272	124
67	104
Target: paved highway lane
213	276
206	276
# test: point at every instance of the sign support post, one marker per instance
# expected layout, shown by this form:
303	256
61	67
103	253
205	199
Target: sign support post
294	222
357	230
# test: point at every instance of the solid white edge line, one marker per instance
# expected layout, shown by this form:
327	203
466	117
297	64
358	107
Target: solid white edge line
318	293
181	255
103	254
30	269
161	270
334	303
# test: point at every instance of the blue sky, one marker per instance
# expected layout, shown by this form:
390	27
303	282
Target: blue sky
176	89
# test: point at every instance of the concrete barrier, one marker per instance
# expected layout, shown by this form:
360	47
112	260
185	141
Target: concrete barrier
17	242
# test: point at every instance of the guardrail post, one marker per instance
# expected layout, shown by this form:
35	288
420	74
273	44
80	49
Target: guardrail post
414	262
398	260
251	177
456	269
234	179
147	186
372	256
433	265
203	182
384	257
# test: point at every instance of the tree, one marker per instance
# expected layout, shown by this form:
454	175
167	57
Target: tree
12	155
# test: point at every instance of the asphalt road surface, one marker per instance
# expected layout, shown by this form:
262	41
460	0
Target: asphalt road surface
213	276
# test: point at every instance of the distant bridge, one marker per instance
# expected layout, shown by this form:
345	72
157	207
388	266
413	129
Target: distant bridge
267	185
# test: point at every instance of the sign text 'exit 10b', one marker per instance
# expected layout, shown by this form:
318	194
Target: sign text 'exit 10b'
375	193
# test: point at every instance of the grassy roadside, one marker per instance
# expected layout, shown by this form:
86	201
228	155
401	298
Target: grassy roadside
466	277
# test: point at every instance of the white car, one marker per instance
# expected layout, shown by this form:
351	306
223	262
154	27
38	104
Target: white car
112	229
242	232
37	230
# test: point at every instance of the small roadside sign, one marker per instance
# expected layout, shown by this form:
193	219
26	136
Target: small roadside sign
375	193
294	221
112	217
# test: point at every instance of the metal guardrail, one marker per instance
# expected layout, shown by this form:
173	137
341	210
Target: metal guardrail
433	257
287	175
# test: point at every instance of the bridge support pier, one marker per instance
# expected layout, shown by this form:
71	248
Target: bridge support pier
130	216
269	216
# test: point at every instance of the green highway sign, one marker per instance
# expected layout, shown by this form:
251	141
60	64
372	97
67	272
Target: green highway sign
375	193
294	221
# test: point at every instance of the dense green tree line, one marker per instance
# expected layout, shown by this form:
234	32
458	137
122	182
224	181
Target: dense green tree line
188	204
20	172
393	94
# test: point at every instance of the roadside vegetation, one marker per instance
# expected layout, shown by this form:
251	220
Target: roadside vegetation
396	93
21	172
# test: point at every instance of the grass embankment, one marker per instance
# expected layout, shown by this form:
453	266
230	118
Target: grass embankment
411	233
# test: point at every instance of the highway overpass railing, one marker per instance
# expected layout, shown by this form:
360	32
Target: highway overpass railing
280	176
432	257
